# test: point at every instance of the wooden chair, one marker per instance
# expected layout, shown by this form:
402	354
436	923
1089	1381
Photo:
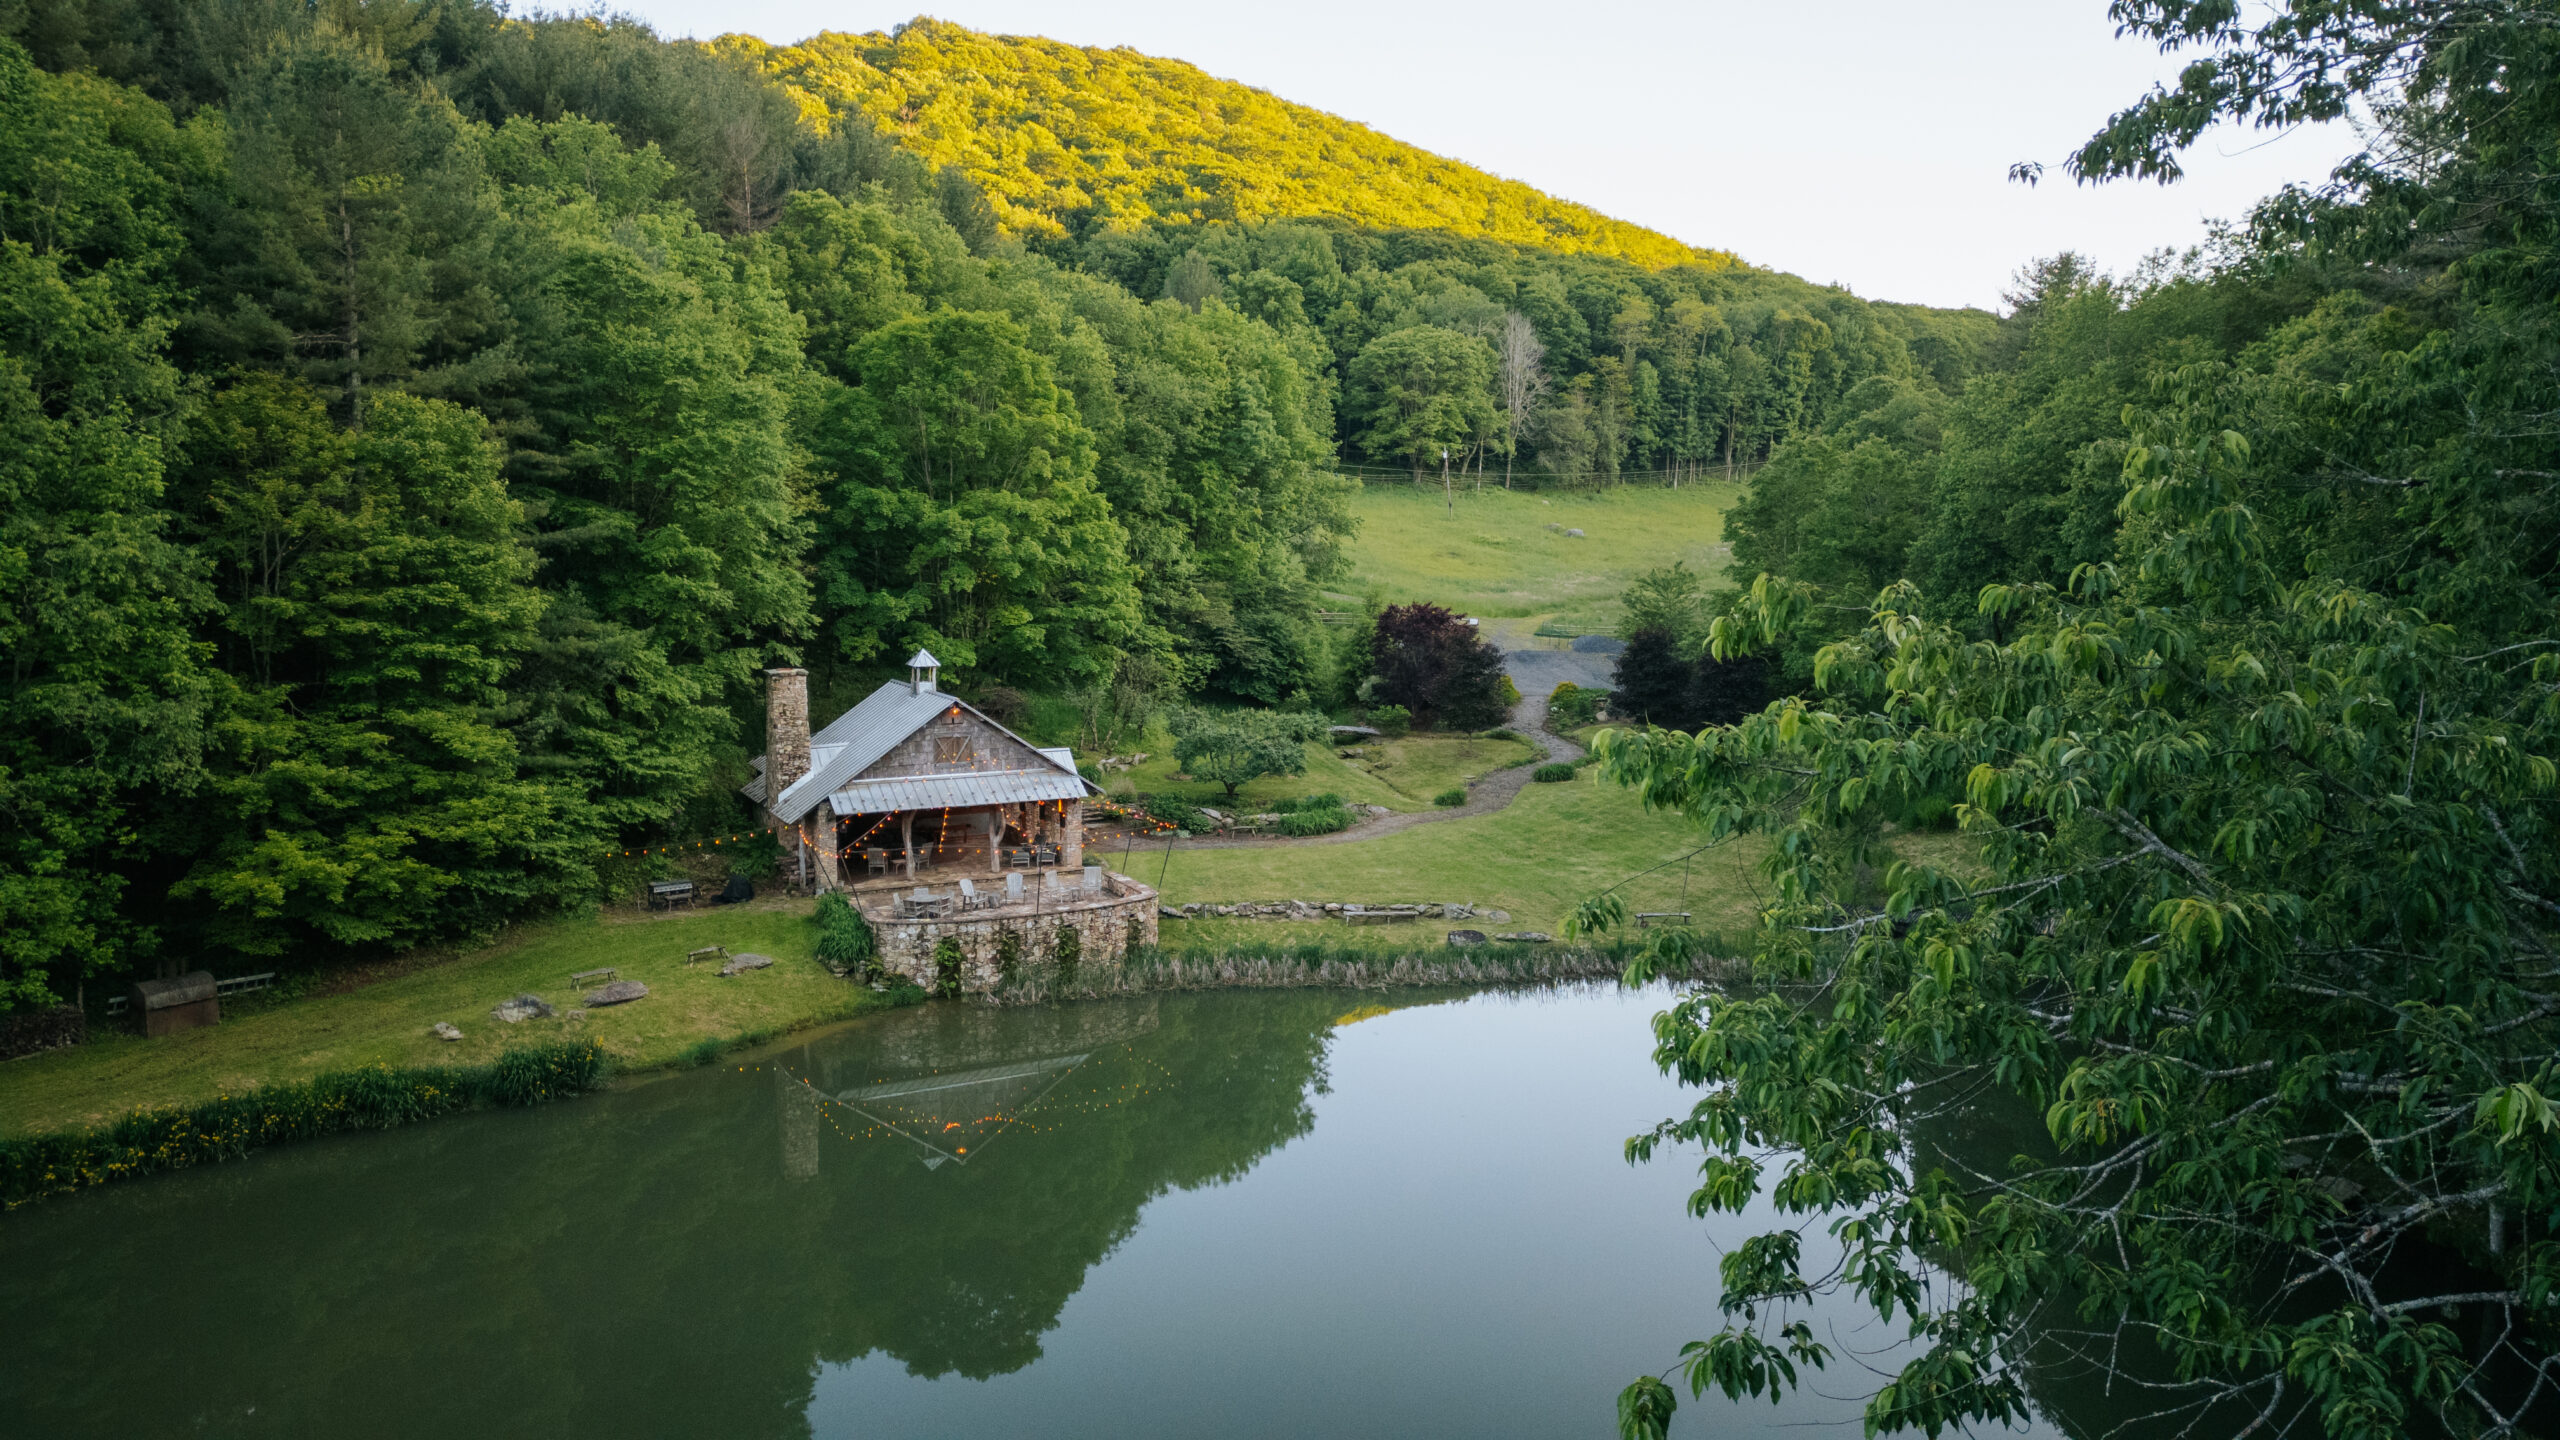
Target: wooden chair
1016	857
970	899
1013	888
1044	856
875	861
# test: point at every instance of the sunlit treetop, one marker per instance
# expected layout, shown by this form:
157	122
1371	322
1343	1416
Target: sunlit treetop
1063	137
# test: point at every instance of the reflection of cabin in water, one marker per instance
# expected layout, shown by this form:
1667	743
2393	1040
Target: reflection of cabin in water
914	793
913	783
945	1084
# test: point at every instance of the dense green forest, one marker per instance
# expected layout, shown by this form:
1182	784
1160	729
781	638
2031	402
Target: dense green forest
424	425
2221	612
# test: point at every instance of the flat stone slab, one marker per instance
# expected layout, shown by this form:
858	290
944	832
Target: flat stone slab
520	1009
1525	937
620	992
447	1030
744	961
1466	937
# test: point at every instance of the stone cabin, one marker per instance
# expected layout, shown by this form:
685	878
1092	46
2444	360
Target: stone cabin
916	789
913	783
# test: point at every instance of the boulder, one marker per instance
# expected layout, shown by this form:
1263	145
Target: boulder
745	961
521	1008
1498	917
1466	937
620	992
1525	937
447	1030
1573	534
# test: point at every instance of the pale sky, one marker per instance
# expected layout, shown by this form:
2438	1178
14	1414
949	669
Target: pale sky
1862	142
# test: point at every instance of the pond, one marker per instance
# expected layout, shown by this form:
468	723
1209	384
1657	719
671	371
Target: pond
1273	1213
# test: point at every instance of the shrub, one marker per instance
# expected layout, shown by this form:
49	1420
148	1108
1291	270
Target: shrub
758	856
701	1052
1510	691
946	966
1571	705
1003	704
1327	801
1553	773
844	937
1454	795
1066	951
1175	811
1391	719
1008	956
1314	822
376	1098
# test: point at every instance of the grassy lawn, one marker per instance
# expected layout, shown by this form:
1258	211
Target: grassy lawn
1401	774
1536	859
388	1022
1497	556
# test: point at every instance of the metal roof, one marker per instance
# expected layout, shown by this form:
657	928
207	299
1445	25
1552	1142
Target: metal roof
862	735
935	792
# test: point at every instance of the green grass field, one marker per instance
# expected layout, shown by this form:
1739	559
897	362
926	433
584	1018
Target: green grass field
1401	774
387	1022
1497	557
1537	858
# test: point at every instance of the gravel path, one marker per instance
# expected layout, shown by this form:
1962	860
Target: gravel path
1535	671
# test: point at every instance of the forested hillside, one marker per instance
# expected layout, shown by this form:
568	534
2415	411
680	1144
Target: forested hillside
424	425
1068	141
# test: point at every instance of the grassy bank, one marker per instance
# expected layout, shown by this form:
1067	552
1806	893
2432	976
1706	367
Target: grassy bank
229	1127
1497	557
388	1022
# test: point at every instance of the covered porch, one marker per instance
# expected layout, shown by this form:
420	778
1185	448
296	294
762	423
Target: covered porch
869	841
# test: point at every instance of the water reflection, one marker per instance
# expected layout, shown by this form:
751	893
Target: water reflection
944	1221
930	1186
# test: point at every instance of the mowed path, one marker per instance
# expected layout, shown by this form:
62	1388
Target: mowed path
1536	672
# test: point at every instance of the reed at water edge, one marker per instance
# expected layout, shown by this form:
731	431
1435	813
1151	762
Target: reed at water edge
1285	966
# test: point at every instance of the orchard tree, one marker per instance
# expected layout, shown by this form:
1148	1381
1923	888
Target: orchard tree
1231	748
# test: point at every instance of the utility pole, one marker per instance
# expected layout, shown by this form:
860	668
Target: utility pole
1446	495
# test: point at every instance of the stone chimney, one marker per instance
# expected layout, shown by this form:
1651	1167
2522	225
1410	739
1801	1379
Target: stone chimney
786	731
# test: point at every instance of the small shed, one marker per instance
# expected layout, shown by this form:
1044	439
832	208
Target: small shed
169	1006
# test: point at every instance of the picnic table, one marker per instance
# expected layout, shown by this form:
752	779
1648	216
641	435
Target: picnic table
666	894
1646	918
707	952
604	972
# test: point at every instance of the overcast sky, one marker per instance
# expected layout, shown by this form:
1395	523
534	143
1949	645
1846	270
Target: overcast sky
1853	141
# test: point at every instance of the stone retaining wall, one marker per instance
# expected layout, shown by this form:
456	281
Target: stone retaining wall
1106	927
1352	912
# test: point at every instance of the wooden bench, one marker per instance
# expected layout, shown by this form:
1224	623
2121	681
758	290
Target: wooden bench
605	972
707	952
666	894
1646	918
